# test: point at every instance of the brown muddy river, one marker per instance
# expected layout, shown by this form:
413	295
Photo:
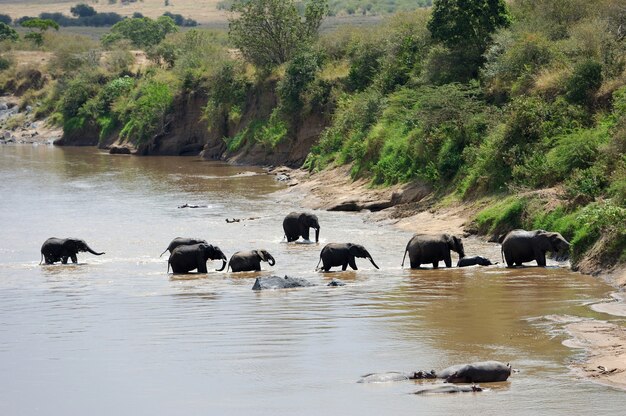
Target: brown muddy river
116	334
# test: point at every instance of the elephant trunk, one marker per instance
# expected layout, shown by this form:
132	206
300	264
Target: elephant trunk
270	260
317	235
223	265
372	261
89	249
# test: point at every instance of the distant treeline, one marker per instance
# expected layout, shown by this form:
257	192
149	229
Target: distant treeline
85	15
353	7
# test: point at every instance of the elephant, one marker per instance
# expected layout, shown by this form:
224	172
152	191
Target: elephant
185	258
426	248
297	224
521	246
335	254
182	241
248	261
60	249
473	261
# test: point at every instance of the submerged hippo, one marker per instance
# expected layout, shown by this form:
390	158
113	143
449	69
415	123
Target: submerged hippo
479	372
450	389
277	282
473	261
386	377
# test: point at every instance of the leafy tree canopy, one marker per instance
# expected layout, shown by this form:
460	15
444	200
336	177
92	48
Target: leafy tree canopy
41	24
467	23
269	32
83	10
7	33
143	32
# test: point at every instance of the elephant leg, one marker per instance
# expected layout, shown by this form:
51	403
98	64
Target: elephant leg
326	267
448	260
344	267
352	264
541	260
74	259
64	259
436	264
415	265
202	267
49	260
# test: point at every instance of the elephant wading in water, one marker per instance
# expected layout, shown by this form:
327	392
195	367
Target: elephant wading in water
187	258
424	249
297	224
249	261
61	249
181	241
335	254
521	246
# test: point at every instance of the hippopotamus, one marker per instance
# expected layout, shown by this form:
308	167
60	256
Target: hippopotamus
277	282
386	377
450	389
479	372
473	261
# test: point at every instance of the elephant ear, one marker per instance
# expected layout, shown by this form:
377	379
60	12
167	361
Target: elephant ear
262	254
356	250
458	246
71	244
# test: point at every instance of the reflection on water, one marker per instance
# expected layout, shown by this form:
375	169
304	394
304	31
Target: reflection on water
115	333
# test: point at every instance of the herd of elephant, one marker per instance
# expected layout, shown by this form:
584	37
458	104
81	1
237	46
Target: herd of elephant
188	254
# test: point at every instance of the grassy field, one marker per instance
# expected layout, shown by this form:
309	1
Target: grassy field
203	11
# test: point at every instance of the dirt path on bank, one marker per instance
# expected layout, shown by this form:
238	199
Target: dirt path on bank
408	207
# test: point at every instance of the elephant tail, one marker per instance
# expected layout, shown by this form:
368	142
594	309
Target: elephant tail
164	252
168	266
318	264
404	257
502	253
41	261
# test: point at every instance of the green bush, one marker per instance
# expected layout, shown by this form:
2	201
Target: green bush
299	74
502	217
584	82
144	115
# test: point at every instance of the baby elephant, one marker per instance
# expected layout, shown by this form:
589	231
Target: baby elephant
473	261
248	261
62	249
335	254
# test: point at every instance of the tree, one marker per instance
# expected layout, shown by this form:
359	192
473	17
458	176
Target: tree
465	28
41	24
143	32
269	32
462	23
7	33
83	10
5	18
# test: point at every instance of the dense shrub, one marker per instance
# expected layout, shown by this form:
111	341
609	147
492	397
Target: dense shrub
584	82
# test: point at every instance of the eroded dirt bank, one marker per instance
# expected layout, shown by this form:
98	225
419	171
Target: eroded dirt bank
410	207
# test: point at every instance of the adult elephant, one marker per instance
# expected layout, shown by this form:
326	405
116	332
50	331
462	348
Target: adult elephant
249	261
182	241
520	246
187	258
426	248
335	254
297	224
61	249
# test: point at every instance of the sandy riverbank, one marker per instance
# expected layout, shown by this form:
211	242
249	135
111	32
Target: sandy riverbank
408	207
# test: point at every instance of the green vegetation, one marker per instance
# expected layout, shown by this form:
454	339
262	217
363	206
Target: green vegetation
269	32
519	105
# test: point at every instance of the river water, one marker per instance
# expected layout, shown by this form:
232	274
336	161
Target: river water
116	334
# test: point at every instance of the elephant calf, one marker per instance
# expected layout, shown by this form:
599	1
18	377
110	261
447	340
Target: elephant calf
335	254
473	261
297	224
520	246
249	261
61	249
